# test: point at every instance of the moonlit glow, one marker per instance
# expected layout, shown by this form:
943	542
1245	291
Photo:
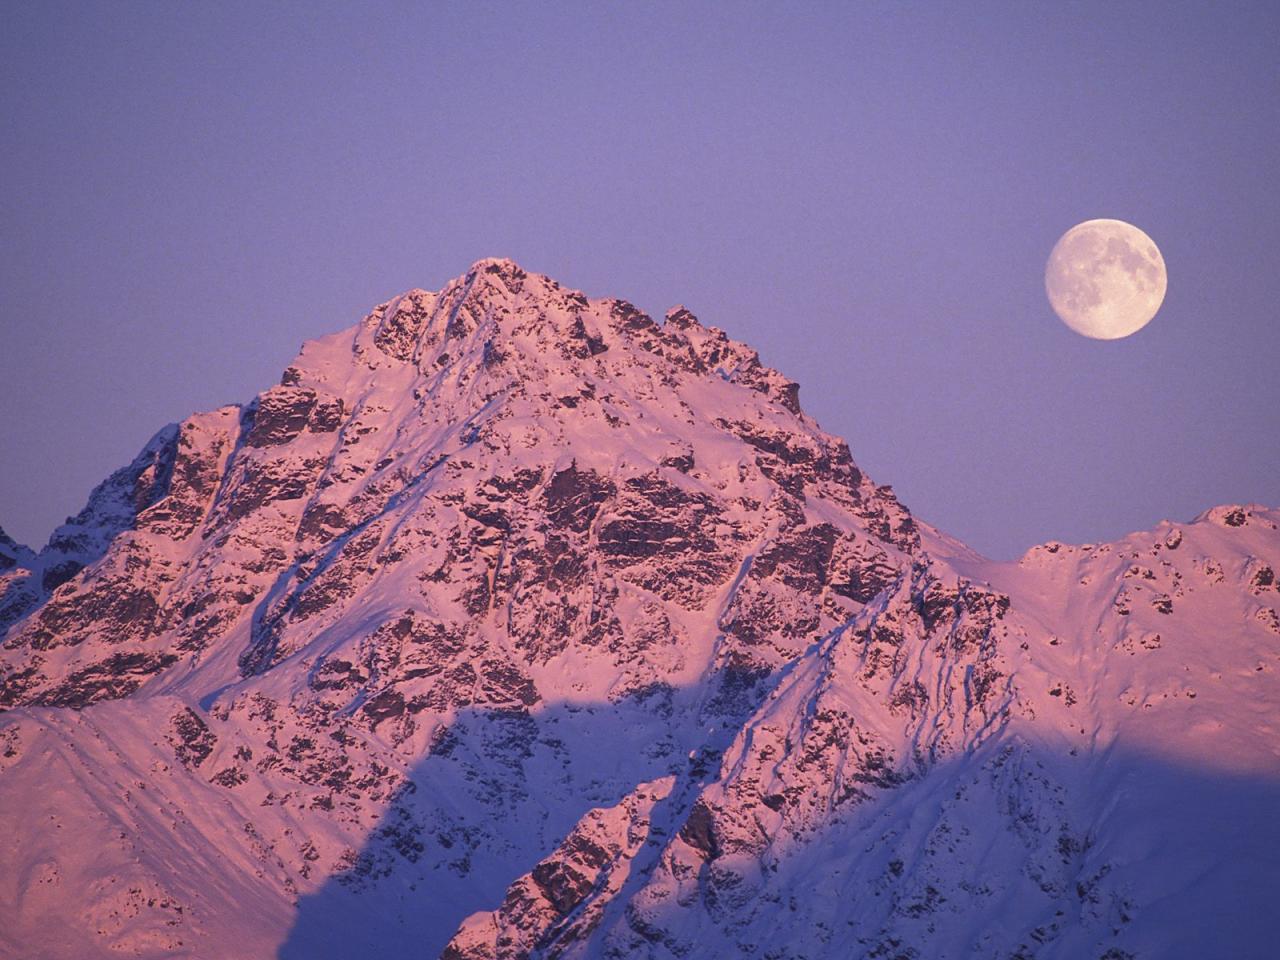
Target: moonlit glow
1106	279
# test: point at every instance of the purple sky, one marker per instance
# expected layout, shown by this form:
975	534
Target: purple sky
868	197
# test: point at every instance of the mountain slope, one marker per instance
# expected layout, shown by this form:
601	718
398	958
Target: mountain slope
515	623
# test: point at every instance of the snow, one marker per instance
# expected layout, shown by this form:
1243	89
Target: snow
727	679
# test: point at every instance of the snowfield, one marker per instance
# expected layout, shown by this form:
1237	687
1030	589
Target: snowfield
514	623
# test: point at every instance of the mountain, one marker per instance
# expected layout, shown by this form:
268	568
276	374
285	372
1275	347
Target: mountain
513	623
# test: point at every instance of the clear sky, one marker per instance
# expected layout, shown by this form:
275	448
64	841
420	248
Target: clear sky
867	193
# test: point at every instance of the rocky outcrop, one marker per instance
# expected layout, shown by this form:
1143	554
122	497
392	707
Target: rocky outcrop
556	906
516	622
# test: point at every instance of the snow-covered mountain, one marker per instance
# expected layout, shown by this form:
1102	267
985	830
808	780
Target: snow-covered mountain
513	623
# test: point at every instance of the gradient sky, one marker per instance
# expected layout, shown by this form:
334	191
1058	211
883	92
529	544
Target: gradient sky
868	196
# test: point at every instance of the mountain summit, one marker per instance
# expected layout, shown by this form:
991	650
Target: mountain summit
515	623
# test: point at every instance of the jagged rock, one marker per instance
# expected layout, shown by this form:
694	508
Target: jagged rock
516	623
191	738
541	911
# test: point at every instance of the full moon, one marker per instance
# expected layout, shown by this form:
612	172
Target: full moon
1105	279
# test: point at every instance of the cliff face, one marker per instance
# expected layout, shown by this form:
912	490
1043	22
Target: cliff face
515	623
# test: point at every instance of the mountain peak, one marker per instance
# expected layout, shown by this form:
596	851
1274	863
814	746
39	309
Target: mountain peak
498	329
496	264
571	618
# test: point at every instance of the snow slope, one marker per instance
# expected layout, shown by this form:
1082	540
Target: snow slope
514	623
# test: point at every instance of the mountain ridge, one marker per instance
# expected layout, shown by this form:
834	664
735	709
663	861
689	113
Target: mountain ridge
512	622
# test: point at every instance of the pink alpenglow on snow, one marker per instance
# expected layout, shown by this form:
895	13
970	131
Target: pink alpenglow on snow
516	623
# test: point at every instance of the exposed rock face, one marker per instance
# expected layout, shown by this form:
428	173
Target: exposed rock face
514	623
562	900
19	589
